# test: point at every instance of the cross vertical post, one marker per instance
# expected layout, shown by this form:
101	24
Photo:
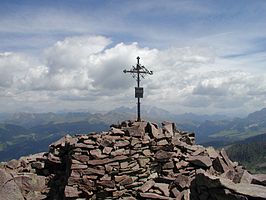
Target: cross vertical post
138	72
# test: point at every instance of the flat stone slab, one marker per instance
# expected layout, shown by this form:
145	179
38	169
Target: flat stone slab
153	196
201	161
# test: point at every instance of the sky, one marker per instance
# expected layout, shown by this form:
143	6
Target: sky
208	57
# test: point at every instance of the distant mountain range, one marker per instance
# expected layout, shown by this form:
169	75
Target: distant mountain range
25	133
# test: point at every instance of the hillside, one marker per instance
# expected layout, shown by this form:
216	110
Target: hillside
16	141
12	134
251	153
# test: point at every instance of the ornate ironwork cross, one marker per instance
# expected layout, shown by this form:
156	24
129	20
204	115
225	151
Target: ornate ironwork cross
138	72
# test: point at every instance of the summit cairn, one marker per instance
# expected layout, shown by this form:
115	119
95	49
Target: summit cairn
133	160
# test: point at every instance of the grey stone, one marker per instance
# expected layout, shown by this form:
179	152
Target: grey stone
8	188
212	152
259	179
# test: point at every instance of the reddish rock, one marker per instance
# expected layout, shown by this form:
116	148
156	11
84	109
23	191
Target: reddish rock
246	177
199	151
118	152
229	174
163	187
107	183
162	142
54	159
84	146
182	181
121	143
219	165
201	161
89	141
120	178
108	168
259	179
153	131
169	165
82	158
135	141
96	153
90	171
146	186
37	165
107	150
88	183
141	125
116	131
124	165
147	152
212	152
74	181
181	164
162	155
106	143
143	162
229	163
134	132
78	166
169	127
61	142
30	182
71	192
13	164
153	196
176	193
118	193
128	180
99	162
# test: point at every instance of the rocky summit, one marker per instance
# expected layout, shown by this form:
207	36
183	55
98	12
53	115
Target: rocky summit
133	160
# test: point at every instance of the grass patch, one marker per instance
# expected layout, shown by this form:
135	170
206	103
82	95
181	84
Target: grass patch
238	135
231	133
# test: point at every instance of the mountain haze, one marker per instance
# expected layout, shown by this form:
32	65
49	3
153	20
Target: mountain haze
27	131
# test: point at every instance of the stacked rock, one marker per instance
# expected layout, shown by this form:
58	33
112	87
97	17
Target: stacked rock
135	160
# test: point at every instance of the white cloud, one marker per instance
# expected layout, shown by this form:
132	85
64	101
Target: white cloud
86	72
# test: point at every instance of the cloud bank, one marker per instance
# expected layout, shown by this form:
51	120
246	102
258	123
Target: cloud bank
85	72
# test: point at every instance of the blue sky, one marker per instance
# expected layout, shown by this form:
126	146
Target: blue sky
208	56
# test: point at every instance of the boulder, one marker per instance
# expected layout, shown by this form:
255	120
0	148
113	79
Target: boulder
210	182
8	187
201	161
259	179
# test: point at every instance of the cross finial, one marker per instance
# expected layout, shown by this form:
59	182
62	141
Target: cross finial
138	58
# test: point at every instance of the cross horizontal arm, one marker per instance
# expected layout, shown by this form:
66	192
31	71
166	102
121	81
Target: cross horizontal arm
141	72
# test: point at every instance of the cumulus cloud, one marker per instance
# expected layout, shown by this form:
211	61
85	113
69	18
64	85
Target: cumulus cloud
86	71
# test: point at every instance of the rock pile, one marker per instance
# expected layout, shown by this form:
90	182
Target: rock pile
134	160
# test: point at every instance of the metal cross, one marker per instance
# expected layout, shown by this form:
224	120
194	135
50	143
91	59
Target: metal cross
137	72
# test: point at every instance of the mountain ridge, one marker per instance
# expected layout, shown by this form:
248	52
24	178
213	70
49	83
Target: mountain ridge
50	126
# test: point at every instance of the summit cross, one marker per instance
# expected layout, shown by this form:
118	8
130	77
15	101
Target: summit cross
138	72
